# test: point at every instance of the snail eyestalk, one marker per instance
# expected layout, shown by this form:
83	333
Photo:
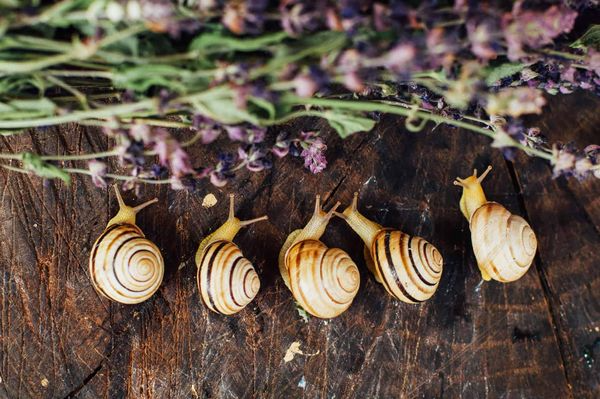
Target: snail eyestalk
244	223
313	230
473	196
229	229
317	224
127	213
365	228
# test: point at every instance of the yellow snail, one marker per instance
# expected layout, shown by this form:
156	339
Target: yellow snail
227	281
323	280
504	244
409	267
124	265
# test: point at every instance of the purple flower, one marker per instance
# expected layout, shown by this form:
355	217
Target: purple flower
333	20
130	151
219	179
381	17
209	135
140	132
236	133
244	16
515	102
256	135
179	161
353	82
298	16
481	38
564	161
98	172
170	153
282	145
535	29
314	156
254	158
305	85
400	58
569	74
593	60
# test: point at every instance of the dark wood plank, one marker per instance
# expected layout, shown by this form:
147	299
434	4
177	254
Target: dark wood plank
460	343
53	327
569	212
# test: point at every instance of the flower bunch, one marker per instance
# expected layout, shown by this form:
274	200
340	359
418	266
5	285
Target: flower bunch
230	70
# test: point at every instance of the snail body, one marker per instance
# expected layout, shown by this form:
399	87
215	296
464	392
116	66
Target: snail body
323	280
125	266
227	281
504	244
408	267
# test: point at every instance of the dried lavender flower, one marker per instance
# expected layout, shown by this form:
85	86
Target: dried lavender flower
98	171
314	154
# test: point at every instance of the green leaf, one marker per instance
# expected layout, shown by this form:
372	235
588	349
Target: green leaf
220	105
346	124
591	38
265	105
43	105
44	169
501	71
142	77
315	45
27	109
222	42
302	313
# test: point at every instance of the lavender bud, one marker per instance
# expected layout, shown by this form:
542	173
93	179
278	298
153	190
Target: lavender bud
98	171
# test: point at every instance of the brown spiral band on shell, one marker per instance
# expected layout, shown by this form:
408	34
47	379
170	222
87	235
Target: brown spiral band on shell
504	244
409	267
125	266
324	281
227	281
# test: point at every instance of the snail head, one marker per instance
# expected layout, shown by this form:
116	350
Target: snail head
127	213
473	196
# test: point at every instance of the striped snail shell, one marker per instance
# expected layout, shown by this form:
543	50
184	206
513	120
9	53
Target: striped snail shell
409	268
504	244
125	266
324	281
227	280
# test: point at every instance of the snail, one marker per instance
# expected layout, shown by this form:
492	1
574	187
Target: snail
227	281
408	267
323	280
125	266
504	244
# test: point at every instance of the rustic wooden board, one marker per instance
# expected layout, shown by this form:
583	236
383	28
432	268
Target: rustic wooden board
525	339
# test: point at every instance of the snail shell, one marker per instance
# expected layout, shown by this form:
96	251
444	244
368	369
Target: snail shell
504	244
409	267
227	281
323	280
124	265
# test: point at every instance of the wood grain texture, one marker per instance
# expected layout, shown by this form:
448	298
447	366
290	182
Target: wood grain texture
472	339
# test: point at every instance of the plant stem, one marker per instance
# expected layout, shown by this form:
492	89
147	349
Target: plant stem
370	106
106	112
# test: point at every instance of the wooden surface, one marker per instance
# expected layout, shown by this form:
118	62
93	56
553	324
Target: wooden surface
533	338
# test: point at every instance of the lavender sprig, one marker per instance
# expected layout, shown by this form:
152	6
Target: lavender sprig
229	70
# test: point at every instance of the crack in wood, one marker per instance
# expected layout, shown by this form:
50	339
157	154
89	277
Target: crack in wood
539	265
85	381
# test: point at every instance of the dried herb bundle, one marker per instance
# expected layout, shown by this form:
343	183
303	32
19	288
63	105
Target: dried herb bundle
235	68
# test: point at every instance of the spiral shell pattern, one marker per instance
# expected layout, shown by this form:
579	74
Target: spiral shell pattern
227	281
504	244
323	280
409	267
124	265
